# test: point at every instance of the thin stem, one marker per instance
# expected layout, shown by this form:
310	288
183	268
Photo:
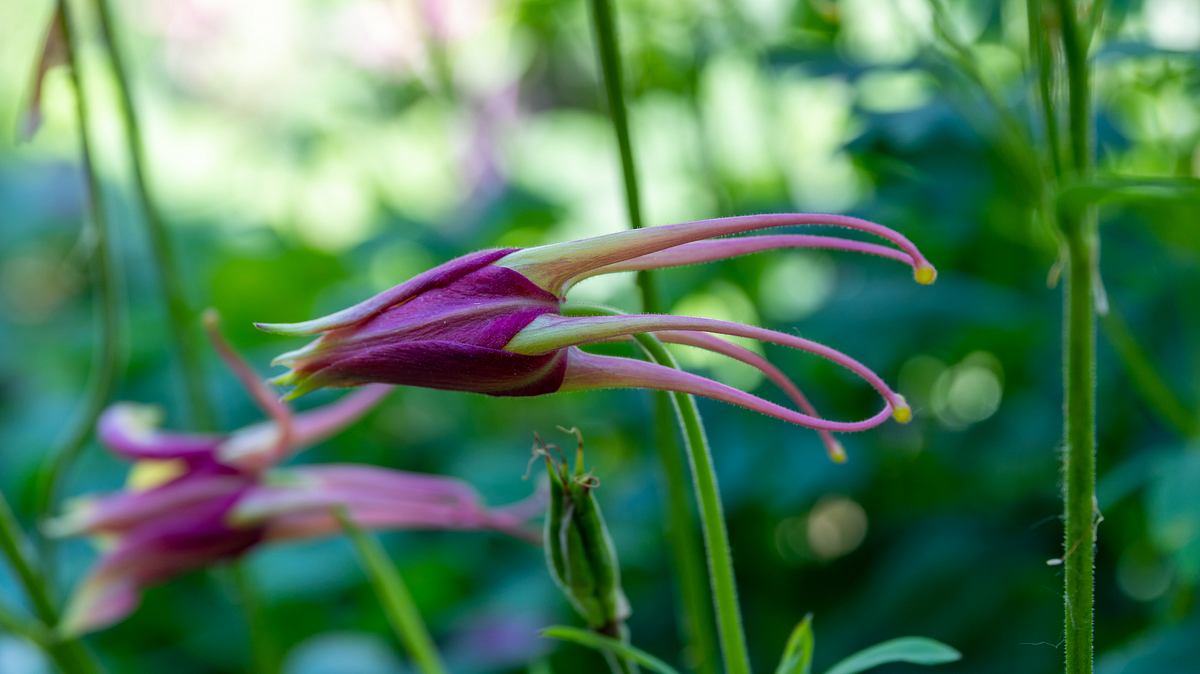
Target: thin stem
1148	381
393	594
180	316
708	499
1079	376
697	623
258	630
688	564
68	654
716	535
1039	45
24	628
106	357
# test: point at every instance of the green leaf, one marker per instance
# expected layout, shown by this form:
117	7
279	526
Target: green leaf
603	643
1075	197
916	650
797	655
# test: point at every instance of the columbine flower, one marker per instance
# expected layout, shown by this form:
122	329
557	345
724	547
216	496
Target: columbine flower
194	500
491	322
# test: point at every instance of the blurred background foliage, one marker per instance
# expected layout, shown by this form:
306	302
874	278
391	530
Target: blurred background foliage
310	153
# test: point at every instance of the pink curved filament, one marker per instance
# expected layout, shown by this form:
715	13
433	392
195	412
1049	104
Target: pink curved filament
703	340
586	371
548	333
699	252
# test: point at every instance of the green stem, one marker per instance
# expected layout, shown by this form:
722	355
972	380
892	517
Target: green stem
26	629
697	623
258	630
1149	383
1079	469
68	654
712	519
181	317
688	564
708	499
106	358
1039	44
1079	465
396	599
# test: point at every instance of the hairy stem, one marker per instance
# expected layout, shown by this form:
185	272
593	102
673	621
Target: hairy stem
180	316
1079	375
697	622
397	601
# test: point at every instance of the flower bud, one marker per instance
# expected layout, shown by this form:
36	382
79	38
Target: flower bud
579	550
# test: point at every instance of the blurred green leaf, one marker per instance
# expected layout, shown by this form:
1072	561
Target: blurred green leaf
603	643
1121	189
916	650
797	655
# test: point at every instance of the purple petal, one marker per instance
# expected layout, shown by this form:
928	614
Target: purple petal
254	447
450	337
192	537
437	277
124	510
130	430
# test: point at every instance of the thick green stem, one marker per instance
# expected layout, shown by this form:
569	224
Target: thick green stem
181	317
107	356
1079	380
393	594
697	623
1079	461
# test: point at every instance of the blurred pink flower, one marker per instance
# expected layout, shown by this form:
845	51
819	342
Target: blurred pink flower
214	497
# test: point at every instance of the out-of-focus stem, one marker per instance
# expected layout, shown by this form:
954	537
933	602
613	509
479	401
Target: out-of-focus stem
262	645
696	621
393	594
68	654
1146	378
106	358
181	318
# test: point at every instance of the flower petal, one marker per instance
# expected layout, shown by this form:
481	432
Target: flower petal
549	333
555	266
720	249
433	278
708	342
130	430
587	371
